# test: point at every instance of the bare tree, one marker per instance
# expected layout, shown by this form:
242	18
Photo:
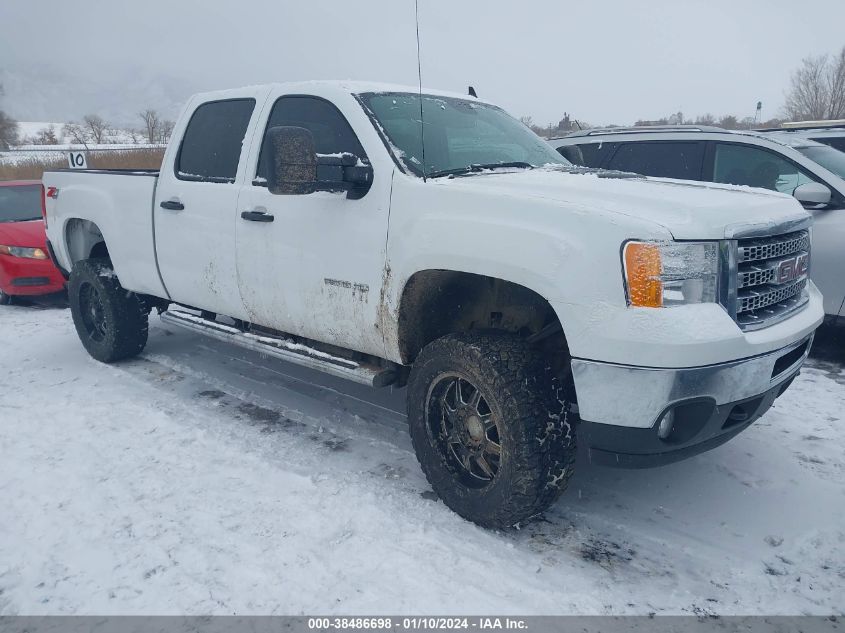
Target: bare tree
8	131
836	82
8	128
46	136
166	131
817	89
729	122
807	96
152	125
746	123
95	127
76	133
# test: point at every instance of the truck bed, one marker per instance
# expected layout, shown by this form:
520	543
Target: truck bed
116	203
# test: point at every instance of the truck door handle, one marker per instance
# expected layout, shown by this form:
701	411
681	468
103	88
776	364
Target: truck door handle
257	216
172	205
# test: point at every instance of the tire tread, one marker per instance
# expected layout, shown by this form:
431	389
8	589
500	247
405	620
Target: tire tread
129	315
546	461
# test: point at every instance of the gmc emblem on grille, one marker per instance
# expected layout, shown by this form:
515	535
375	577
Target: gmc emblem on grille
791	269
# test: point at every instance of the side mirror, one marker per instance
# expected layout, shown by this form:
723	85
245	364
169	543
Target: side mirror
345	172
293	160
812	195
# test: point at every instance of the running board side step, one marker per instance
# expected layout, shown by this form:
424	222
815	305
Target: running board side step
283	349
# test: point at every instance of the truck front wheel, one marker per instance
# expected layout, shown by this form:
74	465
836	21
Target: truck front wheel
111	322
490	427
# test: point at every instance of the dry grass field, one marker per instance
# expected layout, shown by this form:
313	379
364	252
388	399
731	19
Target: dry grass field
33	168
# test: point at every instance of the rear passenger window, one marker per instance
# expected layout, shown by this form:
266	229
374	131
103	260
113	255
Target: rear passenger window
660	159
332	132
211	147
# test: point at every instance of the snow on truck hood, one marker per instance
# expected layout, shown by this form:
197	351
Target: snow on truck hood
688	210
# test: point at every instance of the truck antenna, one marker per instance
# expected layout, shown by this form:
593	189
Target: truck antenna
419	79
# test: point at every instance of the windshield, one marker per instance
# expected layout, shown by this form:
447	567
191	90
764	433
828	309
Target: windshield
461	135
829	158
20	203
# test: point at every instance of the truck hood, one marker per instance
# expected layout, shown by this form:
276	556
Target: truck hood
29	234
688	210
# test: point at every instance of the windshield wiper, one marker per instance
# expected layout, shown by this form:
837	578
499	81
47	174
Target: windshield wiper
477	167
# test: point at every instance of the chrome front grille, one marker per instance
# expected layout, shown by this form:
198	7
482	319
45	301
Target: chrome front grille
756	277
771	247
771	278
756	300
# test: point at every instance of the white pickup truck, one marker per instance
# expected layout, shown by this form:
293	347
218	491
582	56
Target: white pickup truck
513	293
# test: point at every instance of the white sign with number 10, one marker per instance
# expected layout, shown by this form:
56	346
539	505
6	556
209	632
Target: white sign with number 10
76	160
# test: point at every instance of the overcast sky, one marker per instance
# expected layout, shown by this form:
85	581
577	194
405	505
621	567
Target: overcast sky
609	61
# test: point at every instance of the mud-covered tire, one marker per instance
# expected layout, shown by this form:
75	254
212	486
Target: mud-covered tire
5	300
111	322
536	439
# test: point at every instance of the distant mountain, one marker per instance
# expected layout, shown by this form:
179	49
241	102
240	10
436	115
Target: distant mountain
40	93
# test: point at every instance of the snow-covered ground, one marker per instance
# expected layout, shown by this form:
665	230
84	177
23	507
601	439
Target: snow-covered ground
204	479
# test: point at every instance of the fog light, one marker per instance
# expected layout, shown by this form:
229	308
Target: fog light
664	429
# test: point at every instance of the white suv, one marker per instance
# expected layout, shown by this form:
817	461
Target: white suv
780	161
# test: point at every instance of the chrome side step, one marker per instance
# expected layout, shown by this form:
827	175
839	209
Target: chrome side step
284	349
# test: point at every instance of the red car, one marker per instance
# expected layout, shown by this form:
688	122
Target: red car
25	265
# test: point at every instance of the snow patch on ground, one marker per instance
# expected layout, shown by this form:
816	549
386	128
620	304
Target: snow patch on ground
204	479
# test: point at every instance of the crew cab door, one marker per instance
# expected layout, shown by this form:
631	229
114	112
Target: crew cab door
195	204
313	265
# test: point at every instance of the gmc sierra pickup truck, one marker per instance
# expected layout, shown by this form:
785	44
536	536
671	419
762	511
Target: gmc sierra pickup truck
429	239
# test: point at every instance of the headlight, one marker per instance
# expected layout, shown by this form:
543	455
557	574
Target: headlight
663	274
19	251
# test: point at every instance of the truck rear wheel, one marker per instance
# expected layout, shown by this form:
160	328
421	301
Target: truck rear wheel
111	322
490	426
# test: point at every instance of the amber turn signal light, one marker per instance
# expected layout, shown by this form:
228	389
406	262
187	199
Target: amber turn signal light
642	274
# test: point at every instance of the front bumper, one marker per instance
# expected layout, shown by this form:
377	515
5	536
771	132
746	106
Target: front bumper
29	277
621	407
